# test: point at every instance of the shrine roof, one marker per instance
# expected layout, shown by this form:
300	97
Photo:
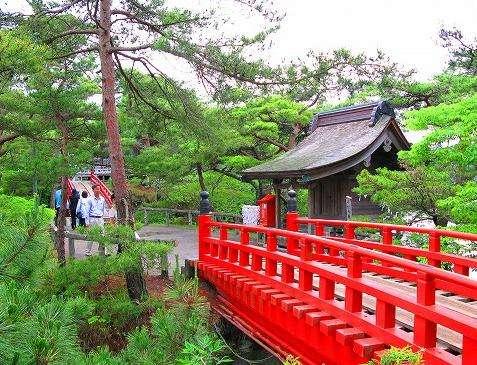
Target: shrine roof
338	140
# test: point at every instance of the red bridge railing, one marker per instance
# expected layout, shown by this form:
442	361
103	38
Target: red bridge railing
301	273
433	255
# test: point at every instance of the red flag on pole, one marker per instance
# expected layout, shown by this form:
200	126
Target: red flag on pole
104	191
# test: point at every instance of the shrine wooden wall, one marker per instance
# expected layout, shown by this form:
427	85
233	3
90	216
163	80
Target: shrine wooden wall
327	196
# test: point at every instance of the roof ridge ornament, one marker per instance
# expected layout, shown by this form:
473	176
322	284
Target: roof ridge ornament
383	108
314	122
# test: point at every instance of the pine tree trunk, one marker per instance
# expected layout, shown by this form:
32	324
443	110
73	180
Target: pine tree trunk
200	175
294	135
61	221
134	280
110	116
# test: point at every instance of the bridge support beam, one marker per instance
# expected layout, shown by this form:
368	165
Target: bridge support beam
314	341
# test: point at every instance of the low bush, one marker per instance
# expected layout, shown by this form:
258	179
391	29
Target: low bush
81	313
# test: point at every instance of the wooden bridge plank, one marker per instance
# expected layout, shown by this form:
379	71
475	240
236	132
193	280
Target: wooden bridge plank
445	336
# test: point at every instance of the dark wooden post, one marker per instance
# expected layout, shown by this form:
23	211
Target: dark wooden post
202	221
145	216
291	220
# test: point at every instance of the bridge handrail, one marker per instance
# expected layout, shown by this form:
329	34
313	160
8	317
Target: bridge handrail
371	254
413	251
392	227
433	254
230	254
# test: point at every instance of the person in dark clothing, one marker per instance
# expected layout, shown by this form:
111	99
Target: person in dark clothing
82	209
74	198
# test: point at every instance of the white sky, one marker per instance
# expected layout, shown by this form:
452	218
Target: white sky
406	30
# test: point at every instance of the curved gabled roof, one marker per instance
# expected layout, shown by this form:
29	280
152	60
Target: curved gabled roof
339	139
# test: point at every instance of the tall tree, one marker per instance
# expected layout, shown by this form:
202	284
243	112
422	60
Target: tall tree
439	171
113	33
49	107
462	52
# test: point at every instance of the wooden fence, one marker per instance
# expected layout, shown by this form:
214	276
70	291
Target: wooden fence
191	215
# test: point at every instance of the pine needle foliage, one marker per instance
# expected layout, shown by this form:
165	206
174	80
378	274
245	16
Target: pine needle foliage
24	243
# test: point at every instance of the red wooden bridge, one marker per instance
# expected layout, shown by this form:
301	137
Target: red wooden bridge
341	299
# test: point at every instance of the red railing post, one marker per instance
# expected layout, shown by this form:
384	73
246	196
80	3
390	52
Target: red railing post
353	297
244	259
223	249
204	232
385	314
288	273
469	350
256	262
270	264
461	269
425	331
349	231
434	246
203	229
387	236
387	239
292	225
291	221
327	288
305	279
319	231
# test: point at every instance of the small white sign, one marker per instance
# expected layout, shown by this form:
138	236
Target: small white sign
250	215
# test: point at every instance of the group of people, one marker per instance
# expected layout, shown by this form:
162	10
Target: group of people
88	211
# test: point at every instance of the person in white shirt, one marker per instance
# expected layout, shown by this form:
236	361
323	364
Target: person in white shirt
96	209
82	209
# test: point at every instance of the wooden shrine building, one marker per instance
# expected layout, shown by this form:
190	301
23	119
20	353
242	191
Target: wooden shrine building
339	145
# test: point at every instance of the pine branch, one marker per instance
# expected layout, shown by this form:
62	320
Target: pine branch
281	146
66	55
73	32
131	49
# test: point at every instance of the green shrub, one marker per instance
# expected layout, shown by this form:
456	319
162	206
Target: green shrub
226	194
15	210
399	356
54	315
35	332
207	350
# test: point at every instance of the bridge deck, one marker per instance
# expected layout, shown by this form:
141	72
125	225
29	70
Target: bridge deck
448	339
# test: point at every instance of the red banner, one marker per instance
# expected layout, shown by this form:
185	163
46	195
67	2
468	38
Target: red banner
104	191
